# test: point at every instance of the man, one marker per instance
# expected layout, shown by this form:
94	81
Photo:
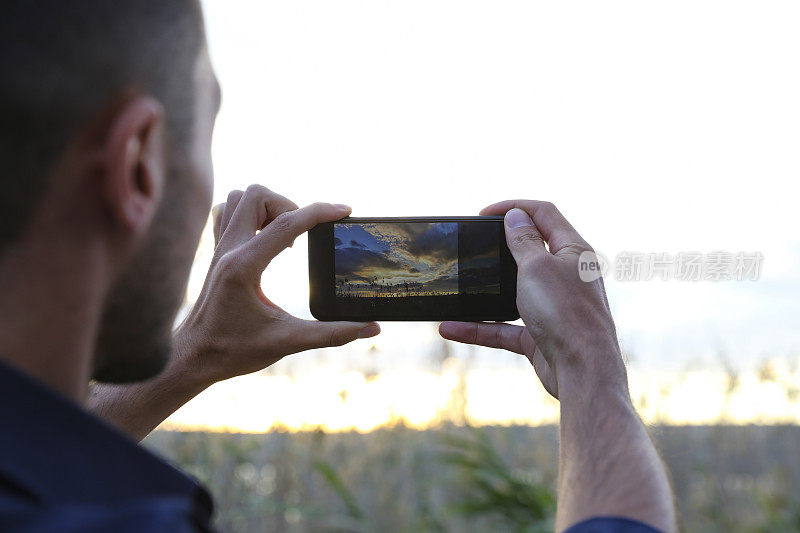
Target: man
108	110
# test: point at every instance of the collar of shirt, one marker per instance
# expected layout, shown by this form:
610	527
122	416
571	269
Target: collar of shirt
54	452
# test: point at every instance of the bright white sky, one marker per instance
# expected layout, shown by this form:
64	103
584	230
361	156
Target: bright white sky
655	127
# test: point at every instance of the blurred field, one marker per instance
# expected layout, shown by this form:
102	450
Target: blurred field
726	478
371	395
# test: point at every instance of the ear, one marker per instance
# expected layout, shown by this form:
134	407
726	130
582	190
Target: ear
135	165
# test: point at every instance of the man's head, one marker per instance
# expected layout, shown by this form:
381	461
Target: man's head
107	110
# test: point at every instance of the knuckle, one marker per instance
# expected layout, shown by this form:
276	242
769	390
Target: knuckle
497	337
336	338
548	207
227	266
526	269
283	222
526	238
577	248
234	196
256	190
216	212
531	264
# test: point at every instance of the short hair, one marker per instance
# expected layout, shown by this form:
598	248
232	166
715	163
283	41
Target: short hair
62	62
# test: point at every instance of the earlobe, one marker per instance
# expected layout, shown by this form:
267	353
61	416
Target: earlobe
135	167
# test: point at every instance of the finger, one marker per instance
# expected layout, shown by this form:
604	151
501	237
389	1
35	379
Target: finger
506	336
234	197
257	207
556	230
216	217
282	231
312	334
523	237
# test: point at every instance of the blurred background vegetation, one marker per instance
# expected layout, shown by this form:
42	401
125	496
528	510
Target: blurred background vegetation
730	440
726	478
454	475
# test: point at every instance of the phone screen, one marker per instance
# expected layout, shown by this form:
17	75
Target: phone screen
427	268
416	260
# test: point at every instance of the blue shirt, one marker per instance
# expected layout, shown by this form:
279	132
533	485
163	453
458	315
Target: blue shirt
609	524
61	469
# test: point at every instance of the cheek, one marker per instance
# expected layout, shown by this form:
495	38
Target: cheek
202	176
196	197
204	168
206	186
205	193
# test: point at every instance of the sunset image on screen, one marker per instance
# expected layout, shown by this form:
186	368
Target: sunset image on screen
396	260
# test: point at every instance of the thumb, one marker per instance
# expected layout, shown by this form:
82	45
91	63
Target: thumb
522	236
315	334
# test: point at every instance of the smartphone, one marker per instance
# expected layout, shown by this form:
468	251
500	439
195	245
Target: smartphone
418	268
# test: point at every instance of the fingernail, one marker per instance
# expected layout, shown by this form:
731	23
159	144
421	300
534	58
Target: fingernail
517	218
342	207
369	331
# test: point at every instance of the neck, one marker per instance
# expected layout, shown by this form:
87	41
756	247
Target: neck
51	296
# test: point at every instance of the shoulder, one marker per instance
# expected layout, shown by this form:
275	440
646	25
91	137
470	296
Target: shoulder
162	514
608	524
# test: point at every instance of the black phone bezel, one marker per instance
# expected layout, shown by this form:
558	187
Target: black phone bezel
476	308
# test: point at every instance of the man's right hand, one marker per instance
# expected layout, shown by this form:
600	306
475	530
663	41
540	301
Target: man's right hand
234	328
568	323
